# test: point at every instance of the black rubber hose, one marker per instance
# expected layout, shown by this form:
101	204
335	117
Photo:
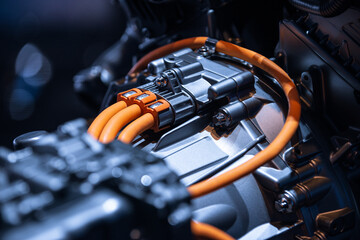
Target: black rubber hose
325	8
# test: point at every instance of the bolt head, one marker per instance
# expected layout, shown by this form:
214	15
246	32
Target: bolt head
219	119
283	205
161	81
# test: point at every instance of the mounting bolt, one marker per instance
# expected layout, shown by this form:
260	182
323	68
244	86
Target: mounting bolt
205	51
221	119
283	204
161	81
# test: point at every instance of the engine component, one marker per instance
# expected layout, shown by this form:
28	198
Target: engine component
207	114
181	75
230	161
324	8
321	49
234	112
337	221
303	193
146	122
187	84
67	185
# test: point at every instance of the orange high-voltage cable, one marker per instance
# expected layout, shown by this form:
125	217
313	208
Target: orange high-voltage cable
137	127
275	147
118	121
100	121
288	130
206	231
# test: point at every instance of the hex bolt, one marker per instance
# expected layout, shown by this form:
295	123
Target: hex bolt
220	119
283	205
161	81
204	50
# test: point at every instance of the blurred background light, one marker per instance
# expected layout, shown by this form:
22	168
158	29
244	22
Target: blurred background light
44	43
33	66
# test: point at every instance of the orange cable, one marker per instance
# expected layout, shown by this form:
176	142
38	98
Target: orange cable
100	121
288	130
206	231
137	127
118	121
193	43
275	147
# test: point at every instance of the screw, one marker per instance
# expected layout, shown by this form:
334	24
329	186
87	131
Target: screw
222	119
161	81
203	49
282	205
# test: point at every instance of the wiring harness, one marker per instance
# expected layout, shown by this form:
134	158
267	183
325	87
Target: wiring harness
142	108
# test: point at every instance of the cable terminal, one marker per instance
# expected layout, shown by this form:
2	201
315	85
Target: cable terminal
124	96
138	97
161	112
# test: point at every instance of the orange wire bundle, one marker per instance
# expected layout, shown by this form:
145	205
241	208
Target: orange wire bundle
118	121
147	121
137	127
101	120
275	147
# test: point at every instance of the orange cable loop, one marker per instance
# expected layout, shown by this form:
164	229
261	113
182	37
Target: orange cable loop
137	127
275	147
288	130
100	121
206	231
118	121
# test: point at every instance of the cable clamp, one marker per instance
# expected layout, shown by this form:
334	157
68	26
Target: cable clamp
210	43
209	47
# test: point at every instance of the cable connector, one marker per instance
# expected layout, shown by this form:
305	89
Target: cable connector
148	102
136	96
162	114
142	99
124	96
234	112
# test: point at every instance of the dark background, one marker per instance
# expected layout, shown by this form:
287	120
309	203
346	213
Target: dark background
71	35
